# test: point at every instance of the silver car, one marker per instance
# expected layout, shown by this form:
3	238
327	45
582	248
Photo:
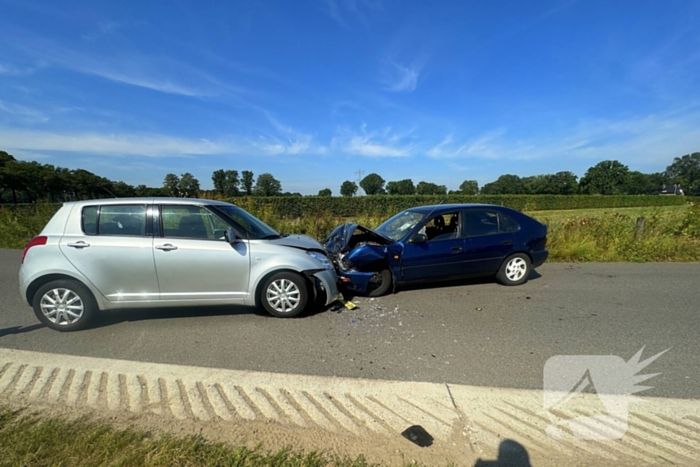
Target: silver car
110	254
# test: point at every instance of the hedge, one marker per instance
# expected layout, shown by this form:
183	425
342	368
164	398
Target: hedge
384	205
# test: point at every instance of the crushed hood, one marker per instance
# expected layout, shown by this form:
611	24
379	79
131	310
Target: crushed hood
339	239
302	242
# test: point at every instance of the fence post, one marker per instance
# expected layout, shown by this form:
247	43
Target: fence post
639	228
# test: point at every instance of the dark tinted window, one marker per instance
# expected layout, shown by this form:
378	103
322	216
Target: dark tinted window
122	220
90	220
508	224
481	222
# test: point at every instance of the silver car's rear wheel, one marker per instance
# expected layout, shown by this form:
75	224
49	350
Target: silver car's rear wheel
284	294
64	305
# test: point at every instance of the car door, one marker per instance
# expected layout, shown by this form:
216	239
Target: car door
440	255
488	242
113	248
193	259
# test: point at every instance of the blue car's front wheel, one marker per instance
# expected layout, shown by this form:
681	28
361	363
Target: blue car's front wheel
379	284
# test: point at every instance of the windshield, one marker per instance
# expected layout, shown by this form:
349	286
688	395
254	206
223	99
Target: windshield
255	227
398	226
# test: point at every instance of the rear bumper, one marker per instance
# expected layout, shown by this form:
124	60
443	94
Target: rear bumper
539	257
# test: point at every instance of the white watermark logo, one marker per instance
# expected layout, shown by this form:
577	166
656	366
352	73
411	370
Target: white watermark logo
590	394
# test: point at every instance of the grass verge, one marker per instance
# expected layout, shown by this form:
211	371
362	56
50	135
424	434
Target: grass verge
29	440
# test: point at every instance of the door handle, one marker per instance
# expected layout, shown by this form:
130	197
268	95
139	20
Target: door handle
506	242
456	248
166	247
79	245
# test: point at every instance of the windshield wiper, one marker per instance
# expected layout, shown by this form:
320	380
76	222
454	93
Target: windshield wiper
270	237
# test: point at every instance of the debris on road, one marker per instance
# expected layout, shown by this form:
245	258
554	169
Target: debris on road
418	435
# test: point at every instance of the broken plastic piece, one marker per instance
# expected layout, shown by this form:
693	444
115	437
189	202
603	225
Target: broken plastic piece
417	434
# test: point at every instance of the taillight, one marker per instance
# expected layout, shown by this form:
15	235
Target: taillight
40	240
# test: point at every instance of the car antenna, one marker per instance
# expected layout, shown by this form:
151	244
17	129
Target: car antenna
435	208
113	195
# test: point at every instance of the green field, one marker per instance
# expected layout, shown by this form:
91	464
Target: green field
672	233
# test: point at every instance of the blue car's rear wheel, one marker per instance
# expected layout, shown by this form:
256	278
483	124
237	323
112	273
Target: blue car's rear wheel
515	270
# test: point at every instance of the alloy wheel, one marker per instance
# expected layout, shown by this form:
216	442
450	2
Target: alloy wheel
62	306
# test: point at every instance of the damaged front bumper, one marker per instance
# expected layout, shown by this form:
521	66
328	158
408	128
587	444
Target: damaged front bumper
328	282
354	281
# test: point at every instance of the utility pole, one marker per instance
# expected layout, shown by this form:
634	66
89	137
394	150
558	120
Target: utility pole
359	173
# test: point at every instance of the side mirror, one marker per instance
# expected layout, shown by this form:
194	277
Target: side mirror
230	236
418	238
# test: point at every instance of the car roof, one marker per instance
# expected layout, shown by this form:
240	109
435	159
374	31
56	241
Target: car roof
149	200
449	207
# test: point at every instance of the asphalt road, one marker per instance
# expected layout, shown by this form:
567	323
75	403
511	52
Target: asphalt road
471	332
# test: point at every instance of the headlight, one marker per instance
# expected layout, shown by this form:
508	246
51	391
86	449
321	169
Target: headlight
321	258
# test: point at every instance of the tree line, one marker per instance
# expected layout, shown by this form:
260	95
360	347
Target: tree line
31	181
604	178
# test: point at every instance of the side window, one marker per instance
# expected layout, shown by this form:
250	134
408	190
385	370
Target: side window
508	224
443	227
481	223
182	221
90	220
122	220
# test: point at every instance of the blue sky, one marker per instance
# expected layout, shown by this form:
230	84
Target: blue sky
313	91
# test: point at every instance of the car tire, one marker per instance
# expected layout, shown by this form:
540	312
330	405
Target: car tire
381	285
284	294
515	270
64	305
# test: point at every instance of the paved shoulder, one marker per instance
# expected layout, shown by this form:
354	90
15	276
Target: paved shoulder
478	419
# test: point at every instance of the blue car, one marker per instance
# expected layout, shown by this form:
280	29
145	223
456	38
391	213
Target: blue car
432	243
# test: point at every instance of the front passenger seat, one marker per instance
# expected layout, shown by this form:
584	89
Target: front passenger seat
192	227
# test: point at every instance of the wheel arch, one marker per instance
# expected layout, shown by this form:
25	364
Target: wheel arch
310	287
506	258
43	280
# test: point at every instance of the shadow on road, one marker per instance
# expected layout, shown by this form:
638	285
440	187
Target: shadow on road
108	318
20	329
534	275
510	454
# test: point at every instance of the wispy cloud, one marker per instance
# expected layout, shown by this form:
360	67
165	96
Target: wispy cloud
288	141
11	70
400	78
384	143
154	145
643	140
339	10
157	73
108	27
403	61
151	145
273	146
26	114
481	147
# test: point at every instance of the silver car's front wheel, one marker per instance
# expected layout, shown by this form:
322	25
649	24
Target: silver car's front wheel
284	294
64	305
